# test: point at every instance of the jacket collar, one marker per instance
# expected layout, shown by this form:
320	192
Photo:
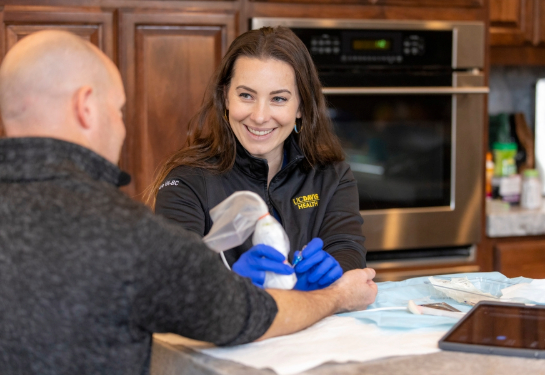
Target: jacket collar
258	168
37	159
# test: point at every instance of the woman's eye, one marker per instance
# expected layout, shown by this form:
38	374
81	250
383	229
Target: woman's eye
279	99
245	95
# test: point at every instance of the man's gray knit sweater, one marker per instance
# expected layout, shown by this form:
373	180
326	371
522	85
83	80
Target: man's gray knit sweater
87	274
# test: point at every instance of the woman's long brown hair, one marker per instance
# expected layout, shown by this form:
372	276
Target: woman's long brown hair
211	143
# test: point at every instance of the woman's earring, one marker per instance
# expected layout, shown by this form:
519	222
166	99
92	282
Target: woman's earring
295	128
225	116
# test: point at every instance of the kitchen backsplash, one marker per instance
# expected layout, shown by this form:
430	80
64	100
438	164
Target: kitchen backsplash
512	89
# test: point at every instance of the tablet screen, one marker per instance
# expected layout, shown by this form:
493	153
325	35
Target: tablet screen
503	326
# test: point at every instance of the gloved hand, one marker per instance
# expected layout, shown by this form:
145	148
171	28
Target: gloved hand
318	269
260	258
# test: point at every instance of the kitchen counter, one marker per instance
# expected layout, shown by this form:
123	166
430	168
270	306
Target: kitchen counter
503	220
169	358
381	340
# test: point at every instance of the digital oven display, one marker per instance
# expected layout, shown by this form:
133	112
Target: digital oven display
379	44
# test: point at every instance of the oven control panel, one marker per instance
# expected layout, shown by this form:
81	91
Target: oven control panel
378	47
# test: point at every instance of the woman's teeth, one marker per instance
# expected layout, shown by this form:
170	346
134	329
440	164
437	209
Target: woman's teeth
257	132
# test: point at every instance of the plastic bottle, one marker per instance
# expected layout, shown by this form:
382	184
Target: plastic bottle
489	174
531	190
504	155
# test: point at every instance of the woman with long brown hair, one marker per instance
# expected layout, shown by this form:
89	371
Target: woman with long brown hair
263	127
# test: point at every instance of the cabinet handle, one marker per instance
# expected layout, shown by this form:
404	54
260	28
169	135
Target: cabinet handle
404	90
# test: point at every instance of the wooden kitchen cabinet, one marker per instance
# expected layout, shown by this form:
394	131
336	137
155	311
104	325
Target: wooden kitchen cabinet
166	61
517	32
517	22
511	22
520	257
91	23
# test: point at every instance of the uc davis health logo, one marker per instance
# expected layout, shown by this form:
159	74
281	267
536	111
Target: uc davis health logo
306	201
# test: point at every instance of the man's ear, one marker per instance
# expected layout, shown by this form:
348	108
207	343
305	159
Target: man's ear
84	107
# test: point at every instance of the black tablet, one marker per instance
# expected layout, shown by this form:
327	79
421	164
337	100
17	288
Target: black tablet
499	328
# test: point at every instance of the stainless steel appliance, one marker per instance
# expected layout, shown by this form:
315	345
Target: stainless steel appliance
407	101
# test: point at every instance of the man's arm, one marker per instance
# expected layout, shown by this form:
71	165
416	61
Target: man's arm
355	290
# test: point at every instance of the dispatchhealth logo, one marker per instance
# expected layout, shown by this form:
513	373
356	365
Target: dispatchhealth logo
306	201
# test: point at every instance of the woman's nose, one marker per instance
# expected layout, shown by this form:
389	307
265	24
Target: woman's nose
261	113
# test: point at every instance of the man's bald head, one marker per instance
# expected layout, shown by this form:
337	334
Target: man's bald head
55	84
46	66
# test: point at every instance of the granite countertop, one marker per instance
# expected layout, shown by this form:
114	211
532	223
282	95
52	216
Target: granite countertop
503	220
168	359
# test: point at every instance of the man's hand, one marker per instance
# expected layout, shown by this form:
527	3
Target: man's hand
260	258
318	269
355	289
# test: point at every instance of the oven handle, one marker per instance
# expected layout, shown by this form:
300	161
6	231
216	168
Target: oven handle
405	90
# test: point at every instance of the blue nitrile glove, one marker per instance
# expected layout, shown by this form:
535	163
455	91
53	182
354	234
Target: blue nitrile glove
318	269
260	258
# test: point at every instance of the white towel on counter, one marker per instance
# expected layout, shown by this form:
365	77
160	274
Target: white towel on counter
337	339
526	292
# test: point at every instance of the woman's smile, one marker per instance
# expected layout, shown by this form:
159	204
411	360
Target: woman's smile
259	133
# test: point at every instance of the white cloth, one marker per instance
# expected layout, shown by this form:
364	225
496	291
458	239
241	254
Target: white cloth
529	292
338	339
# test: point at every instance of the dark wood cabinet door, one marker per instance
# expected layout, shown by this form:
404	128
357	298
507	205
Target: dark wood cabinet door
92	24
521	258
166	61
539	23
511	22
418	3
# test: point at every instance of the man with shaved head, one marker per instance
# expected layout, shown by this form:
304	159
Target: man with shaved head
87	274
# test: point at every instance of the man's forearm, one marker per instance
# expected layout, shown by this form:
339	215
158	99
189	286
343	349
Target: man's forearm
297	310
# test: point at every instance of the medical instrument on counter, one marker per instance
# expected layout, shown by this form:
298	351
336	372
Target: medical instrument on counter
441	306
434	310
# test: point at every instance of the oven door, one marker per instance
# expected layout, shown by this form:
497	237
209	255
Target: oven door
416	153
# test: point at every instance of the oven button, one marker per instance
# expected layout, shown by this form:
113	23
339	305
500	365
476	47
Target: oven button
414	45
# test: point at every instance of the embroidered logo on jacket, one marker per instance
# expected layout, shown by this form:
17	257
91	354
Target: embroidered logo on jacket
306	201
169	183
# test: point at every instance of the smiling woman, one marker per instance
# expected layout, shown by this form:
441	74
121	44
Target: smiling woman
263	127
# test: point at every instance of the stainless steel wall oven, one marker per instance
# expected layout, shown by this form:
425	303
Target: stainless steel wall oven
407	101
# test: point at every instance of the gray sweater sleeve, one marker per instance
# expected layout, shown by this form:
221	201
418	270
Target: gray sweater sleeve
185	289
